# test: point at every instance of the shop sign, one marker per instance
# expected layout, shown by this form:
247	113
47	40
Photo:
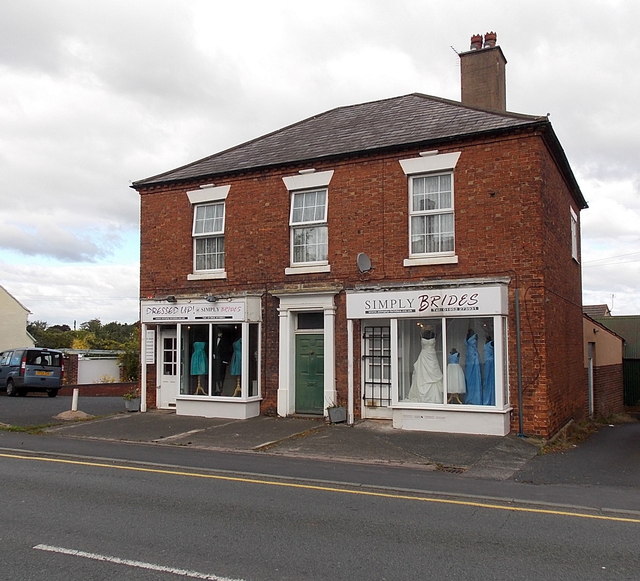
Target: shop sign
150	346
161	311
445	302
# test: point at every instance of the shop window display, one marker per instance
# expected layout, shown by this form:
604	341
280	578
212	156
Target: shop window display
446	361
210	361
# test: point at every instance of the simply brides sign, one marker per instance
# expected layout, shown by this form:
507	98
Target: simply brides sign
445	302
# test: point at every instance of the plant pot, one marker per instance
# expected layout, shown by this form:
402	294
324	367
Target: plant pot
337	415
132	405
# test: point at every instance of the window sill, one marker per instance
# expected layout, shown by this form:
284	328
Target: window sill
207	275
452	259
490	409
308	269
219	398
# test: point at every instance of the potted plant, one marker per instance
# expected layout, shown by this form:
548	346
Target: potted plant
337	412
132	400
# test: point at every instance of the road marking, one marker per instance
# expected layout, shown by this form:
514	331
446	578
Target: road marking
265	482
132	563
178	436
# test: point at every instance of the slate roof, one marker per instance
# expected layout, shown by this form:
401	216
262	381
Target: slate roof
406	120
594	311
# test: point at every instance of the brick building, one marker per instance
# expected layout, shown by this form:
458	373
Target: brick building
603	350
415	259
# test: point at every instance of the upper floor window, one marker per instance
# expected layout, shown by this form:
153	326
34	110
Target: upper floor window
308	221
309	227
431	208
431	225
574	235
208	236
208	204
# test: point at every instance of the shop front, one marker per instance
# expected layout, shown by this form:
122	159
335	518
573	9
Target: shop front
205	353
434	359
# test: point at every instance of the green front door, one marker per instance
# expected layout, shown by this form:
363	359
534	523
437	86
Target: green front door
309	374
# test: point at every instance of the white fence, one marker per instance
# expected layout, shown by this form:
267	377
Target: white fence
98	370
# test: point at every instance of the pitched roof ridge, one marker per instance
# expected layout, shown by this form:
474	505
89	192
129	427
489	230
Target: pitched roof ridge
341	112
509	114
264	136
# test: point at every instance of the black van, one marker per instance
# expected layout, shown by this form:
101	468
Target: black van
31	369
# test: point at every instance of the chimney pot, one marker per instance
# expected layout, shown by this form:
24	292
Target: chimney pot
490	39
476	42
482	74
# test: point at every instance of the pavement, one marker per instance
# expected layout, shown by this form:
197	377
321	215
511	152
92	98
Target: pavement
610	457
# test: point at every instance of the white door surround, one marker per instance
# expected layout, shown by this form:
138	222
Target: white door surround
290	305
168	384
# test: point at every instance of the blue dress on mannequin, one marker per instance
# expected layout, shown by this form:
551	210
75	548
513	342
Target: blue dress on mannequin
488	376
472	372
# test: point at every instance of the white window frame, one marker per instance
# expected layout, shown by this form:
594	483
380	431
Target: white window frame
214	233
203	197
426	212
574	236
305	182
317	223
430	164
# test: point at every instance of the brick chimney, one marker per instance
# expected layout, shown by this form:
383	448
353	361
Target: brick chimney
482	74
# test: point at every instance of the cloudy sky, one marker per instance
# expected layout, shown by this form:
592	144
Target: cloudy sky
96	94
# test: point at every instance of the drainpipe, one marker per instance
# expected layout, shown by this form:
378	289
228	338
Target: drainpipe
519	360
350	398
143	368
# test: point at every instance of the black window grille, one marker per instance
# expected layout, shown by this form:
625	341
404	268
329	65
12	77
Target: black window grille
377	366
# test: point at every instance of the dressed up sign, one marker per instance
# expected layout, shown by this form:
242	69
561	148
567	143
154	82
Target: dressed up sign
445	302
154	312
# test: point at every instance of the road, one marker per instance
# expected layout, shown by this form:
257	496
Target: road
76	517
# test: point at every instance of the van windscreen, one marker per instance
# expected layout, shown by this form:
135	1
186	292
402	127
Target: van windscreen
45	358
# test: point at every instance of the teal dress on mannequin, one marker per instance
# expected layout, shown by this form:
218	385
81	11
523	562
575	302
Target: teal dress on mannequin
236	360
199	359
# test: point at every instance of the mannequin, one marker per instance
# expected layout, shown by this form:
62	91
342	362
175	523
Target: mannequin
456	384
472	370
199	364
426	382
236	365
222	353
488	375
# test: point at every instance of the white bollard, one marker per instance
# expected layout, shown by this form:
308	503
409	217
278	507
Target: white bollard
74	400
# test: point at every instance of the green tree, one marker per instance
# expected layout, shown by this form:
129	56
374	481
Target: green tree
130	359
91	335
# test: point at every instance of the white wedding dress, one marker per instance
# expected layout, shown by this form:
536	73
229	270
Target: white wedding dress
426	383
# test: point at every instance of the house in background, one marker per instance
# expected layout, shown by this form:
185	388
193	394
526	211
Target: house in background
627	327
414	259
596	311
603	362
13	322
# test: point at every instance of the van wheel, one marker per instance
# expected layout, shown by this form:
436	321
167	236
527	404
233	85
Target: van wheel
52	392
11	389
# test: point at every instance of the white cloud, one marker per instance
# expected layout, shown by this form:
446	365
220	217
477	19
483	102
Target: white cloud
62	294
96	95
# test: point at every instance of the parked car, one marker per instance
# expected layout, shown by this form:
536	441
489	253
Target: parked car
31	369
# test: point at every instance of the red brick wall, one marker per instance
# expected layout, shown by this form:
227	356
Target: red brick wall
512	210
367	212
98	389
70	370
608	390
563	306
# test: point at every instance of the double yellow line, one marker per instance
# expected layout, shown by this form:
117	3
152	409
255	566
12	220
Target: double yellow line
334	489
